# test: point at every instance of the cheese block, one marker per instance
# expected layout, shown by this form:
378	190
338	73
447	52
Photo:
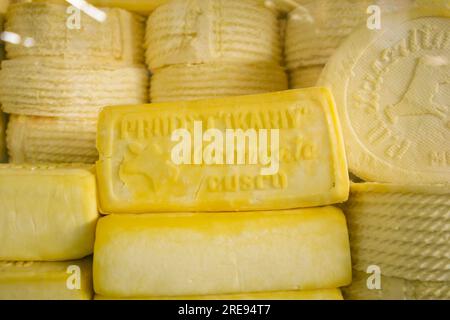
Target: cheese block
2	137
324	294
395	289
212	80
68	88
51	140
200	31
69	280
221	253
47	213
139	6
272	151
304	77
403	229
390	89
56	30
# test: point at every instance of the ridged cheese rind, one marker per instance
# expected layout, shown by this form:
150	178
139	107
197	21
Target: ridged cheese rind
51	140
324	294
136	172
47	213
46	280
68	88
304	77
202	31
2	137
213	80
203	254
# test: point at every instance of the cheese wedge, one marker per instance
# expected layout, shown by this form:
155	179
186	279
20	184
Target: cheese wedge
51	140
208	254
2	137
325	294
405	230
304	77
200	31
47	213
212	80
395	289
390	90
144	168
68	88
56	30
70	280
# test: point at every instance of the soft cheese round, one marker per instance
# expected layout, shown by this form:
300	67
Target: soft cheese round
304	77
212	80
199	31
392	90
63	88
51	140
56	30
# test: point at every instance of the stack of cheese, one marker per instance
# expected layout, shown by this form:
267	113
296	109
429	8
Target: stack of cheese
199	49
391	91
218	252
65	66
3	7
47	224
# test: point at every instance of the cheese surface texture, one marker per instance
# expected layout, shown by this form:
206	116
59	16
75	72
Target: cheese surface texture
391	89
204	254
139	170
51	140
68	88
405	230
325	294
2	137
304	77
201	31
69	280
46	213
212	80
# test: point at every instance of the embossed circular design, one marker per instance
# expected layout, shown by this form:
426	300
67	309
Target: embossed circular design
392	89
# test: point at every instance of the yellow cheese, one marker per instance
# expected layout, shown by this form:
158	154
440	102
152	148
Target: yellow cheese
395	289
57	31
220	253
325	294
140	6
304	77
200	31
47	213
2	137
51	140
212	80
70	280
139	170
391	91
404	230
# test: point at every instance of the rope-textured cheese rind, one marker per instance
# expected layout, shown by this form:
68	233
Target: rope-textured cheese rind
62	88
118	39
304	77
51	140
201	31
2	137
212	80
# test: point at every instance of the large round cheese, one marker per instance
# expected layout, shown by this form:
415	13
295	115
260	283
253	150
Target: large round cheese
304	77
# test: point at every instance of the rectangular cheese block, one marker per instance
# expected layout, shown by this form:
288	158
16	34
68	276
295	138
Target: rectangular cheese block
69	280
140	6
47	213
172	157
325	294
221	253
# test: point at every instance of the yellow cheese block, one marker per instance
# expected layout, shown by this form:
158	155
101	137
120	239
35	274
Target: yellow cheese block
70	280
140	170
209	254
200	31
51	140
140	6
212	80
56	87
57	31
405	230
47	213
392	94
325	294
395	289
2	137
304	77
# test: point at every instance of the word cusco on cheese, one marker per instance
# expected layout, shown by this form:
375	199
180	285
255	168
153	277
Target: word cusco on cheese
219	253
47	213
273	151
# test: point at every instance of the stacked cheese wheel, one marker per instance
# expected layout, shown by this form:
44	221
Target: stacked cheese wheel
66	67
199	49
3	157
